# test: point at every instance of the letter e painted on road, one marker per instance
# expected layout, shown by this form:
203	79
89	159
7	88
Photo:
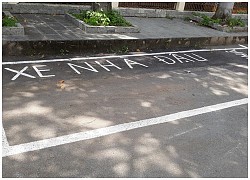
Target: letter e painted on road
38	71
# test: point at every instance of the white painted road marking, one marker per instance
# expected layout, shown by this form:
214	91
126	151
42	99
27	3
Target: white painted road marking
169	59
18	73
242	46
38	71
118	56
238	53
107	63
46	143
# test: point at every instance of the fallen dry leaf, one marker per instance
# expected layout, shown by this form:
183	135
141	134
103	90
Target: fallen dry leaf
61	84
62	81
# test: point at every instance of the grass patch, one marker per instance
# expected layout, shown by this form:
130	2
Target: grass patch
169	17
242	12
231	22
101	18
235	22
187	18
8	21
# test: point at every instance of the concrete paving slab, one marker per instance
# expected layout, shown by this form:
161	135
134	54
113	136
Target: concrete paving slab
56	26
45	29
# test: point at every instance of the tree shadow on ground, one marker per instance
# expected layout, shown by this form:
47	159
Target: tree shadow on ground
41	109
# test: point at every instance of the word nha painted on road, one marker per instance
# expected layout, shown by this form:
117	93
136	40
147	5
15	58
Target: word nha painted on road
168	59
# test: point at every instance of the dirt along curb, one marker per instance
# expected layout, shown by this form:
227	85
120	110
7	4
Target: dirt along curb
81	47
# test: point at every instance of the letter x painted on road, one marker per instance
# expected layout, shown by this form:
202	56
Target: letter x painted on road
20	73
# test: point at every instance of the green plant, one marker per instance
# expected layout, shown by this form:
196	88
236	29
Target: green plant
187	18
218	21
82	15
100	18
124	49
97	18
64	52
116	19
241	12
235	22
9	21
207	21
169	17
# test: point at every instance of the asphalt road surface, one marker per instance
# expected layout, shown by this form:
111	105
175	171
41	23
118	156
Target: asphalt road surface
159	114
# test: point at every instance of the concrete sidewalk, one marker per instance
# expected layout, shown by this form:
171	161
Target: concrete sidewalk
53	32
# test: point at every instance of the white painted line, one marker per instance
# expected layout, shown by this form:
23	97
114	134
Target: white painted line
242	46
116	56
4	139
5	144
46	143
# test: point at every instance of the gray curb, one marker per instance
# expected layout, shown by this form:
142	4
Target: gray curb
81	47
42	8
157	13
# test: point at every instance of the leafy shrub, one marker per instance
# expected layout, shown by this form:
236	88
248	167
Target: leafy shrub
241	12
116	19
231	22
9	21
96	18
235	22
100	18
206	21
187	18
169	17
82	15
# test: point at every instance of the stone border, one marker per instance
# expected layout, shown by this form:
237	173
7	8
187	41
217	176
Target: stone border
220	27
18	30
101	29
43	8
87	47
161	13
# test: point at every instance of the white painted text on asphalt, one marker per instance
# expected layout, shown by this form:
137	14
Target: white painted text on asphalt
170	59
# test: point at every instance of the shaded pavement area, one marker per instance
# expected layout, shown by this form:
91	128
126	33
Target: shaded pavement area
208	145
